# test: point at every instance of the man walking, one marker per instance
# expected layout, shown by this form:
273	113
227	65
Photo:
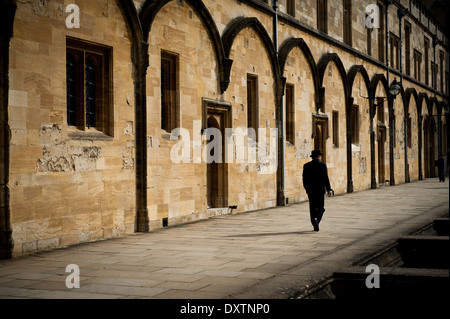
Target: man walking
315	181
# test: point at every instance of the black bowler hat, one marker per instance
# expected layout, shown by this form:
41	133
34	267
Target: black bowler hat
316	153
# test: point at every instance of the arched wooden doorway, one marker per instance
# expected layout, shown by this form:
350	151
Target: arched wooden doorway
215	183
321	135
217	115
381	142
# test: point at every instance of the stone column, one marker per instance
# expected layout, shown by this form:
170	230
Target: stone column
372	112
349	107
7	15
391	140
141	62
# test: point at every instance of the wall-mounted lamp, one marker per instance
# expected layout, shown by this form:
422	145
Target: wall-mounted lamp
395	88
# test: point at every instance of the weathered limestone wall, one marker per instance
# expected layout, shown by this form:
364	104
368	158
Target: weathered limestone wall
413	151
65	189
298	73
252	185
361	150
399	144
336	156
178	190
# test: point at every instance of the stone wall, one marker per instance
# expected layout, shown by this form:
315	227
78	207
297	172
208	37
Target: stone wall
67	186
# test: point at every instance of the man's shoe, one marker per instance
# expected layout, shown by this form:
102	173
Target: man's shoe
316	225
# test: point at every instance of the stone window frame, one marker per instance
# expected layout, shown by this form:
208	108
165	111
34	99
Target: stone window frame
253	103
290	113
335	124
170	106
394	43
408	30
369	41
347	22
101	122
322	16
355	125
381	33
290	7
434	73
417	63
427	60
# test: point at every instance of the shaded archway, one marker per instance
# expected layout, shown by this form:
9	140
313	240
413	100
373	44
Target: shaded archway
400	110
360	120
422	111
379	110
412	122
353	72
180	43
335	112
300	104
322	65
232	30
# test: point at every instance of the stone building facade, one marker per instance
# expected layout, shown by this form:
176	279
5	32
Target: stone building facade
126	116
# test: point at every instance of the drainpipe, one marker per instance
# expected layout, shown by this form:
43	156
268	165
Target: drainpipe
373	184
7	15
386	15
281	192
401	13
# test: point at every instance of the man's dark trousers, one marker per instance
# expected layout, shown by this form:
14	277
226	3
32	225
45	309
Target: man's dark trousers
316	208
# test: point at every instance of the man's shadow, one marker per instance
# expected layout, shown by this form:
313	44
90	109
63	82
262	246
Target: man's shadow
275	234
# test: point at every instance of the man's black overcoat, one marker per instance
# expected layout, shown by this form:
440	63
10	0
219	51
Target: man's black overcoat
315	178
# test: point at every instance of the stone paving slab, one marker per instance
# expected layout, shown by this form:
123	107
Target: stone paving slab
271	253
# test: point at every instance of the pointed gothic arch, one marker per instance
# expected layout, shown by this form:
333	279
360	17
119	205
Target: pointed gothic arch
285	49
232	31
149	11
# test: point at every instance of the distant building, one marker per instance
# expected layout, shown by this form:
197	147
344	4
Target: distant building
104	103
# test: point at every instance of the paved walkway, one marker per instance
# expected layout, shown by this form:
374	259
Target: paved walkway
271	253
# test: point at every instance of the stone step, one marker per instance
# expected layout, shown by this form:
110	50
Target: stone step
221	211
441	226
394	282
424	251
